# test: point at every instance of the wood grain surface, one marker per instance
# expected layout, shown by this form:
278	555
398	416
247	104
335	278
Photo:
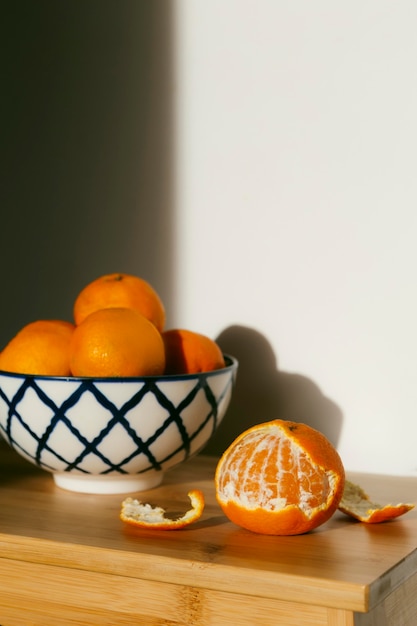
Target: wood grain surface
67	554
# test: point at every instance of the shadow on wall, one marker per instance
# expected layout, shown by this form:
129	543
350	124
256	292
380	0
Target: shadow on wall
86	151
264	393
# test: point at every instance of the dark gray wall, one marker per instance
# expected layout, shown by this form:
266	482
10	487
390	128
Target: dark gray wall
86	147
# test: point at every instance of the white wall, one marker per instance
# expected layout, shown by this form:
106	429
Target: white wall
296	202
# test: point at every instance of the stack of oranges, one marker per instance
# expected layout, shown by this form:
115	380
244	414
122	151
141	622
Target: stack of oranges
118	331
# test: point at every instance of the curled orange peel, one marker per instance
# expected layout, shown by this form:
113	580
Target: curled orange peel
356	503
145	515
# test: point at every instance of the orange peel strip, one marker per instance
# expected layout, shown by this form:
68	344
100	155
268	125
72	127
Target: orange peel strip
356	503
145	515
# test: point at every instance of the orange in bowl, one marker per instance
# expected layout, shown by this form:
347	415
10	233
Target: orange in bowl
116	342
41	347
120	290
188	352
280	478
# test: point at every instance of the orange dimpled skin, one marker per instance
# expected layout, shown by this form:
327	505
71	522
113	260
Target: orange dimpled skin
120	290
280	478
40	348
188	352
116	342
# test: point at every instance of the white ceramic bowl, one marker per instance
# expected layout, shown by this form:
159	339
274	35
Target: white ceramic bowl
112	435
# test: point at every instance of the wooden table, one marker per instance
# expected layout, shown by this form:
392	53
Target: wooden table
66	559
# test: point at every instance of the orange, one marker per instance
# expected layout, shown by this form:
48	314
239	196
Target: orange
280	478
120	290
188	352
116	342
356	503
145	515
40	348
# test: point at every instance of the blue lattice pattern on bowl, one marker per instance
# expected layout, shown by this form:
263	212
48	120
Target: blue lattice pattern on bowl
112	435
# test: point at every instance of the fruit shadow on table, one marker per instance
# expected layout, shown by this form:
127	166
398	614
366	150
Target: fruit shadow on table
263	392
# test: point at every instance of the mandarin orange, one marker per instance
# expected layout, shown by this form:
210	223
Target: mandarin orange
116	342
120	290
188	352
280	478
40	348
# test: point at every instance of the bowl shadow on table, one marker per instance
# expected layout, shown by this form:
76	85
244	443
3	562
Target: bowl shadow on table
263	392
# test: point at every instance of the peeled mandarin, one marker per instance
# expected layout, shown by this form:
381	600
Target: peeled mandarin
280	478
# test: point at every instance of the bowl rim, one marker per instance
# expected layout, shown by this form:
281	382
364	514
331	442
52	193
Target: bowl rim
231	365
